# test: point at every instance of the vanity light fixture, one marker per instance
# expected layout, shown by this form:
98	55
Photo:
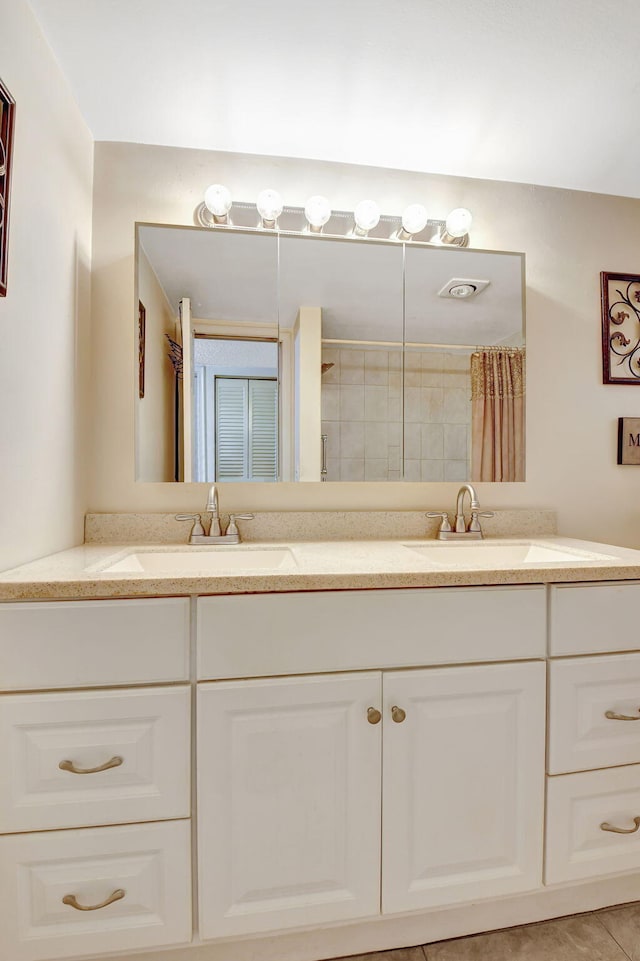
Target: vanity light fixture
366	217
317	210
457	226
414	220
214	211
269	206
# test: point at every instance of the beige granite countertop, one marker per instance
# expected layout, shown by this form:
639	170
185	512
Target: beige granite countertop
308	566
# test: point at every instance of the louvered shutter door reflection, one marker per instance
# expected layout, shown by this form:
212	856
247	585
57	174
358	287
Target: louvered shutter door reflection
263	430
232	428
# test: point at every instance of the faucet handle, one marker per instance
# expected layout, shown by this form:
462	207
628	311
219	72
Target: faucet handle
474	523
197	528
233	527
445	523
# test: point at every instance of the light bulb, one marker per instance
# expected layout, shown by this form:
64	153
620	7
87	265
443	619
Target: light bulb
459	222
317	211
462	290
269	205
414	219
217	199
366	215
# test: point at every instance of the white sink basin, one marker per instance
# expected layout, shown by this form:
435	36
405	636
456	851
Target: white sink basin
508	555
198	561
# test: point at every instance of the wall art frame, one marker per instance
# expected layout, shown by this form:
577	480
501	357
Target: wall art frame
142	339
620	300
629	441
7	124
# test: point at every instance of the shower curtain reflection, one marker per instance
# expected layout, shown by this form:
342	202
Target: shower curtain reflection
498	398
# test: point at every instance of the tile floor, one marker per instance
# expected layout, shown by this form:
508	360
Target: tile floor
612	934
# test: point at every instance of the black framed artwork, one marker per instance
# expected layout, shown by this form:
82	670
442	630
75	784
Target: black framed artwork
620	299
142	338
7	118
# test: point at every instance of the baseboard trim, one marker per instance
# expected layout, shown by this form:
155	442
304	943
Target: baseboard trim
401	931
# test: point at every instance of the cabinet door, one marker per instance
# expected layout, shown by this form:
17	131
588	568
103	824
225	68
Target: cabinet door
288	802
463	786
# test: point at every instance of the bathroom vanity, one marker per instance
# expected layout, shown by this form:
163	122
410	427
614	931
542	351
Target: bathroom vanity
304	773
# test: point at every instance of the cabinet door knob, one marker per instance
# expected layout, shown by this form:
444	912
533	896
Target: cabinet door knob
398	714
72	901
70	766
373	715
610	827
622	717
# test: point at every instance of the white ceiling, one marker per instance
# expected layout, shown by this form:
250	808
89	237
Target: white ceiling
536	91
243	278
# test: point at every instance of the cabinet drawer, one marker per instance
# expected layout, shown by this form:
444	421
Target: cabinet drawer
93	643
578	807
594	618
149	863
269	634
141	735
582	692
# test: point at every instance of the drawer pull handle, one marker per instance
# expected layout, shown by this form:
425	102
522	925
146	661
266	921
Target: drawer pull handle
610	827
70	766
398	714
373	715
71	900
622	717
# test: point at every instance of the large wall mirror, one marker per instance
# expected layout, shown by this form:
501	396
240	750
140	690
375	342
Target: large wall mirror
267	356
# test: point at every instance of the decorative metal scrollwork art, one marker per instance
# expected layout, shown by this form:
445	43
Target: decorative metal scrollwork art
620	328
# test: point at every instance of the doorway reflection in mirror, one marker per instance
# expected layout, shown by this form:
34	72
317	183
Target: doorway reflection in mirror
235	409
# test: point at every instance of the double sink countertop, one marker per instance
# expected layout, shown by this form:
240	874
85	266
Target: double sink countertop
151	561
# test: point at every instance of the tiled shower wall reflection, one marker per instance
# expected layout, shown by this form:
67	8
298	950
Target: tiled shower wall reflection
362	414
437	433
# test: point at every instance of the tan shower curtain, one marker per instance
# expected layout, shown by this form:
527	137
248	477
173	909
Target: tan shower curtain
497	414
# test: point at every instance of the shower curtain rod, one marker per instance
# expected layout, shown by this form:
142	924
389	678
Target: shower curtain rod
401	344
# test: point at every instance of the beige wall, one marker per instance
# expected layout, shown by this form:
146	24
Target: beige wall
155	411
44	318
568	238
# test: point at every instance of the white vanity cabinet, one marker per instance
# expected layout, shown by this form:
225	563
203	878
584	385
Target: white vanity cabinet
300	777
95	793
364	759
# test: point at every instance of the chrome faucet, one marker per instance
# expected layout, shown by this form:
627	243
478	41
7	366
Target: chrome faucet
461	525
213	509
473	532
215	535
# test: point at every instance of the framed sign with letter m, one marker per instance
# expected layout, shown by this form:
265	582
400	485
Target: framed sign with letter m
629	440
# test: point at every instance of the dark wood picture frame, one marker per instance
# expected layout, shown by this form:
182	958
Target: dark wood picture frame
620	300
142	333
7	123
